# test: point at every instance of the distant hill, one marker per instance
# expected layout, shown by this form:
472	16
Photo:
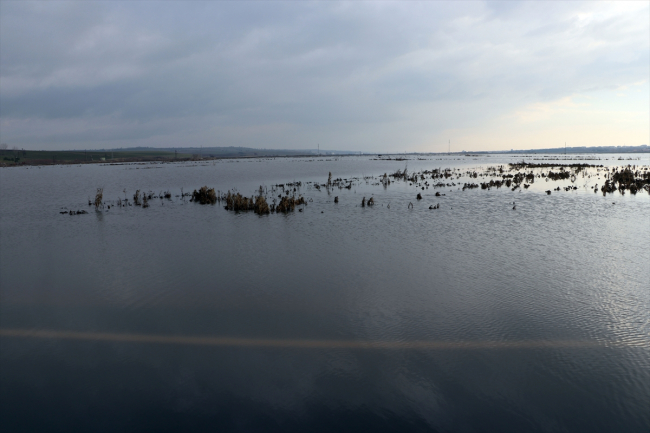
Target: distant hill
582	149
232	151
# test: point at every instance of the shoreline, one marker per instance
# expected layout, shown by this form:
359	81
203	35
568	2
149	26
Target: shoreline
374	156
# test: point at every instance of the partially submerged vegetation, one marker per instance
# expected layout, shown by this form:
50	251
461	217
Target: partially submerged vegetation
631	178
523	165
627	179
285	198
370	202
98	198
238	203
204	195
73	212
288	204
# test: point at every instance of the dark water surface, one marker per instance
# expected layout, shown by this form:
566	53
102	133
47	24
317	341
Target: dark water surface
472	317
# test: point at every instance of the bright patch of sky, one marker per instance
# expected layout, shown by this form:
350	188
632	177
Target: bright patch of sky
368	76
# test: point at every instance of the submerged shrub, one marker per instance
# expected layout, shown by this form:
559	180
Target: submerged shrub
205	195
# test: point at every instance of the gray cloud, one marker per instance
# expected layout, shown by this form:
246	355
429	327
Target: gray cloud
373	76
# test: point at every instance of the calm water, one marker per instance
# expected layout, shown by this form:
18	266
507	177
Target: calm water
472	317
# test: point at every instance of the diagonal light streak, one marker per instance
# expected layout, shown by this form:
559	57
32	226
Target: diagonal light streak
312	343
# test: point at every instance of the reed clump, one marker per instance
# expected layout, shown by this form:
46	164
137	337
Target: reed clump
288	204
205	195
399	174
559	175
99	197
261	207
625	180
238	202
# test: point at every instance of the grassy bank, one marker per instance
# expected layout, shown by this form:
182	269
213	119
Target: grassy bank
46	157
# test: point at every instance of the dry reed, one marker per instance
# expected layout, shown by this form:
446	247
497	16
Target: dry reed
98	198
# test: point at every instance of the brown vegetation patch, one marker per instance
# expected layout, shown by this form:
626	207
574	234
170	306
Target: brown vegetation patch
204	195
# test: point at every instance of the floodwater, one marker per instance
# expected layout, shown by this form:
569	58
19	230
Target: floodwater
471	317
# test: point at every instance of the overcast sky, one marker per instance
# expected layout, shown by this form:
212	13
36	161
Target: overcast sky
368	76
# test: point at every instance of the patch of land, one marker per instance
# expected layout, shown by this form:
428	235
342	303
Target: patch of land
13	157
49	157
579	149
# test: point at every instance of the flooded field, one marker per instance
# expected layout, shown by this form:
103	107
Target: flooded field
432	293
